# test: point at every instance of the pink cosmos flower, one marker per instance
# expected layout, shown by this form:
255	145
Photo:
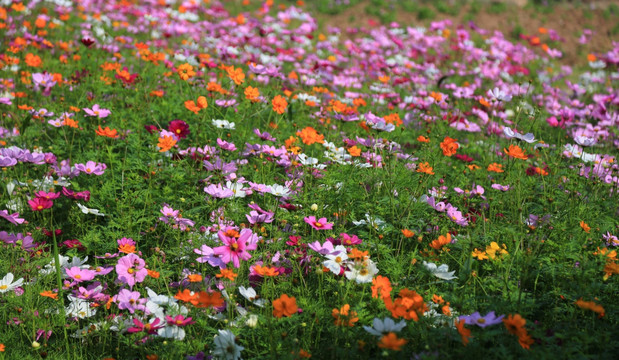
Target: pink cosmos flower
78	274
47	195
91	167
218	191
320	224
38	204
236	249
130	300
130	269
208	255
226	145
149	327
97	111
178	320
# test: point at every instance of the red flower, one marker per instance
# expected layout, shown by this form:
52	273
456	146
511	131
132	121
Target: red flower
179	128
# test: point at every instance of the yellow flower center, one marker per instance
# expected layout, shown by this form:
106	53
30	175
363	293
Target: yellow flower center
3	287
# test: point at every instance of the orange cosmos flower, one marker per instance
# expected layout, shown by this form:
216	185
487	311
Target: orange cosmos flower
152	273
309	136
191	106
266	271
226	273
441	241
156	93
425	168
33	60
107	132
515	324
252	94
494	167
194	278
382	284
185	296
166	143
407	233
279	104
585	227
449	146
236	75
591	305
391	341
204	299
516	152
344	316
354	151
423	139
284	306
464	332
49	294
185	71
70	123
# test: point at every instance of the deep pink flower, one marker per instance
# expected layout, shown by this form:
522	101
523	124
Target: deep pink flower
38	204
320	224
150	328
131	270
235	249
47	195
178	320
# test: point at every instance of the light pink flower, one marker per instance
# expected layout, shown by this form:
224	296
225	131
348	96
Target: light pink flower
97	111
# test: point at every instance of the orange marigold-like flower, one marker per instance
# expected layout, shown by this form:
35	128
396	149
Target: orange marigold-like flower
309	136
166	143
464	332
185	71
391	341
584	226
425	168
226	273
354	151
33	60
516	152
266	271
279	104
252	94
515	324
494	167
191	106
591	305
107	132
344	316
449	146
284	306
204	299
236	75
441	241
423	139
49	294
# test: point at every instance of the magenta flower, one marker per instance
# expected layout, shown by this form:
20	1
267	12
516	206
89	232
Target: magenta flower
130	269
78	274
235	249
47	195
178	320
130	300
150	327
97	111
91	167
320	224
12	218
38	204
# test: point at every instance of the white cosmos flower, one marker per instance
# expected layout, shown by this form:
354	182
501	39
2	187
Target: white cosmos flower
79	308
387	325
363	272
584	140
279	190
441	272
237	189
7	284
225	346
250	294
86	210
223	124
335	261
528	137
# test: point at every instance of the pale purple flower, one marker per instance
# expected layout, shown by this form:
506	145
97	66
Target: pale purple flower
91	167
585	141
130	300
456	216
208	255
528	137
97	111
12	218
500	187
218	191
264	136
226	145
482	321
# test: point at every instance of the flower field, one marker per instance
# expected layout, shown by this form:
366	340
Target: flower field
205	180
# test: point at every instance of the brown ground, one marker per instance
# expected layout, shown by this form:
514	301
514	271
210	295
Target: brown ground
567	19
